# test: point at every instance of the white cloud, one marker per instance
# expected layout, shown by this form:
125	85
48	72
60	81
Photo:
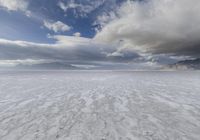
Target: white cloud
25	44
77	34
71	40
14	5
82	8
156	26
12	63
104	19
70	5
57	26
85	66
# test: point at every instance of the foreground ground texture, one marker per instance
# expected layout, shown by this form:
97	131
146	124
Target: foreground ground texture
99	105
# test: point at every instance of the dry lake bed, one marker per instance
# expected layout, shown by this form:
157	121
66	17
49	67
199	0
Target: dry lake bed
99	105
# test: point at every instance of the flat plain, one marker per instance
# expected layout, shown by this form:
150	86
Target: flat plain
99	105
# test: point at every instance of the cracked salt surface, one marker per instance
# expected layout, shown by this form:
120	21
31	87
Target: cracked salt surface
99	105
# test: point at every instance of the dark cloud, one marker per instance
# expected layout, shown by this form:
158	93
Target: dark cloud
156	27
65	49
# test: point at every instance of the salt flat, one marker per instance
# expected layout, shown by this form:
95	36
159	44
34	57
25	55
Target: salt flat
99	105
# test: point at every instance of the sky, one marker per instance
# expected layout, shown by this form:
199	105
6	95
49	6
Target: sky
122	33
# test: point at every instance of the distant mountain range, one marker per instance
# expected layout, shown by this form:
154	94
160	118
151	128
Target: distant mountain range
47	66
61	66
44	66
181	65
186	65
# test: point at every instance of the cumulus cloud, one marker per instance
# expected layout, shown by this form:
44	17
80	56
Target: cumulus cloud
14	5
104	19
57	26
156	27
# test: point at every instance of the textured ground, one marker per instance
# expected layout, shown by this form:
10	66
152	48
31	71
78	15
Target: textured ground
99	105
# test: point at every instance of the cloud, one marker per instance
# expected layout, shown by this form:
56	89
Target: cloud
12	63
71	41
57	26
155	27
77	34
104	19
14	5
65	48
70	5
80	8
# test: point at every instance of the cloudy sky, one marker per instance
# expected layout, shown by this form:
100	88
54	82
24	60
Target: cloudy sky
125	33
